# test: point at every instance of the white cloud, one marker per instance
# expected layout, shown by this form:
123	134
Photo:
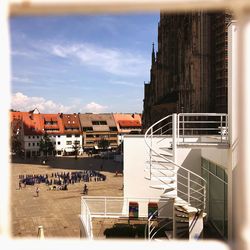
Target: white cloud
125	83
21	79
111	60
27	53
94	108
25	103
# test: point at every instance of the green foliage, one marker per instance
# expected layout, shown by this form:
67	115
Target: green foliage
76	148
15	144
120	231
103	144
46	146
126	231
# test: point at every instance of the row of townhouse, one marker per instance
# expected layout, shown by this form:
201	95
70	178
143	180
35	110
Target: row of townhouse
67	130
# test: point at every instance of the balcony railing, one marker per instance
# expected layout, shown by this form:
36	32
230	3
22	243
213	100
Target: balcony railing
114	207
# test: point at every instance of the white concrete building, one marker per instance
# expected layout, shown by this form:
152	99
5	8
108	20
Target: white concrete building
64	143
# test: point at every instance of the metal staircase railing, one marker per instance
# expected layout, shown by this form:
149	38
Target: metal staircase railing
150	229
187	182
173	131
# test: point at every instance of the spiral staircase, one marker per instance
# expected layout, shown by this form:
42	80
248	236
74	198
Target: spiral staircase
184	190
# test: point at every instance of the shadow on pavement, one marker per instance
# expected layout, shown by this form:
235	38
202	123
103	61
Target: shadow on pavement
81	163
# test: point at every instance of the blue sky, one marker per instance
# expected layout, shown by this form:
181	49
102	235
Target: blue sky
81	63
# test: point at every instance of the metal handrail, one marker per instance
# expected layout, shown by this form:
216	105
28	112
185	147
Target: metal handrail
149	134
87	219
150	218
220	119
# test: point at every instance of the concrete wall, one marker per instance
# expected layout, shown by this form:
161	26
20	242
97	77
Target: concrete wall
216	156
135	156
31	139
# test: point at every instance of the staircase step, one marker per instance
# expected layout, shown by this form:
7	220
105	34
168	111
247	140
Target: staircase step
166	148
182	227
180	202
160	186
163	179
159	161
169	234
180	211
183	216
179	220
183	235
160	172
170	195
188	208
169	190
161	154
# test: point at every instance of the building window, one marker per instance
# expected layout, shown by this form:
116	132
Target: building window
77	135
29	144
37	137
33	137
87	129
216	178
89	136
68	135
50	122
113	128
58	136
58	143
29	136
152	210
68	142
37	144
33	144
99	123
133	209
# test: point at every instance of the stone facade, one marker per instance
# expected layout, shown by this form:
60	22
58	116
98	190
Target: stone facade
188	72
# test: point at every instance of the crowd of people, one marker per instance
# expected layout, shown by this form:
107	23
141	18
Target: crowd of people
60	180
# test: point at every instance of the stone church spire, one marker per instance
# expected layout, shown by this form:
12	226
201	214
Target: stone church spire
153	54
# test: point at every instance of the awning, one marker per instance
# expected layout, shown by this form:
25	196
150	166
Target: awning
69	149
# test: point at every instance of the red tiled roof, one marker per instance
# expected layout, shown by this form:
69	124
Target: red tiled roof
52	118
129	123
32	124
51	126
71	121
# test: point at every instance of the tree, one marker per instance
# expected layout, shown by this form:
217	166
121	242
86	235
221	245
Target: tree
46	146
103	144
76	148
16	145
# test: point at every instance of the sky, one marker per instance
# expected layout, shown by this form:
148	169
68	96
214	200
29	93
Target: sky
88	63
